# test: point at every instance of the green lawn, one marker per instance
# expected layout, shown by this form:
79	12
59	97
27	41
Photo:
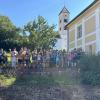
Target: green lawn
7	80
28	79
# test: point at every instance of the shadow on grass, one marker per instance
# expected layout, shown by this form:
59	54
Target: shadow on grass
29	85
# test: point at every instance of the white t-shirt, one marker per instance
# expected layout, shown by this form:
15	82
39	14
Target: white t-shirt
39	57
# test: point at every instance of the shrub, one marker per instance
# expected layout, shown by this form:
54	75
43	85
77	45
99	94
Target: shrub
90	69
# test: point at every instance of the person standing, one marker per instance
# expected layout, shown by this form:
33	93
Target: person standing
1	56
14	57
27	57
20	58
9	58
34	58
47	59
39	62
57	59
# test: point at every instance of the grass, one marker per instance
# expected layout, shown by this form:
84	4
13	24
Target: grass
46	80
35	80
7	80
65	79
62	78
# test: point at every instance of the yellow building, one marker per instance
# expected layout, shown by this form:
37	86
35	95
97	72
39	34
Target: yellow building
84	30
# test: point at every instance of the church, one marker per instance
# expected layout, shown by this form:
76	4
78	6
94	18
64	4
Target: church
83	31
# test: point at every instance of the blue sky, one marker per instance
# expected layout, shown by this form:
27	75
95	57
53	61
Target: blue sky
22	11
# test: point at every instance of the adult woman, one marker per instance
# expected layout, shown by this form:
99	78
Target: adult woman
14	57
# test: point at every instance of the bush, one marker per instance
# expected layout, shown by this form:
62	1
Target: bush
90	69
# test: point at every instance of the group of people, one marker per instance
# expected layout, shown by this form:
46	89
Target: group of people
74	56
43	58
15	57
25	57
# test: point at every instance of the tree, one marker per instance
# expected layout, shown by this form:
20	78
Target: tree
41	35
8	33
6	28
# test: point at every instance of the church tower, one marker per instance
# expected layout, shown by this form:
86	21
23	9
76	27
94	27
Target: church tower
63	20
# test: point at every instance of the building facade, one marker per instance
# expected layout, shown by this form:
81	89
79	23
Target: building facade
84	30
63	20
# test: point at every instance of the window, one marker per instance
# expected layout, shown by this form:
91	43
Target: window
90	49
79	31
65	20
60	21
60	29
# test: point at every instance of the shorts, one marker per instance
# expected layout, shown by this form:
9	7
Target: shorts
20	61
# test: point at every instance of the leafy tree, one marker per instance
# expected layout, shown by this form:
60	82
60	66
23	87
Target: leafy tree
36	34
41	35
6	28
8	33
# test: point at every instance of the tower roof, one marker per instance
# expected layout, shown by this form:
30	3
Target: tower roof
64	10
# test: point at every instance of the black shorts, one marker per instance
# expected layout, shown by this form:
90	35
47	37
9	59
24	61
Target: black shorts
20	61
27	61
1	60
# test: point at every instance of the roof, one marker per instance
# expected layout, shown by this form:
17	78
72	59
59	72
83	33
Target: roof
83	11
64	10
